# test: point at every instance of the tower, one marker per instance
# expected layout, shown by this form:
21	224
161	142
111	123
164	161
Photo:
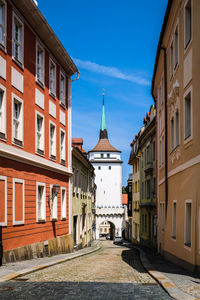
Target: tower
108	178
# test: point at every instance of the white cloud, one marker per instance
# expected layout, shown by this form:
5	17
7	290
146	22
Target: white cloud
110	71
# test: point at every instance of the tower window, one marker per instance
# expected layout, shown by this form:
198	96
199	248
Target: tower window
101	155
99	168
109	167
108	155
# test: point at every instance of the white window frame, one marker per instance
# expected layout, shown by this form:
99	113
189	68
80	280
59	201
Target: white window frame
21	138
43	209
174	219
177	128
52	92
63	153
185	242
53	201
3	44
189	91
63	204
63	101
51	155
17	180
191	35
37	113
40	81
15	20
4	178
3	111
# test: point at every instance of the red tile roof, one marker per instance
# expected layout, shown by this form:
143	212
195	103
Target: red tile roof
124	199
104	145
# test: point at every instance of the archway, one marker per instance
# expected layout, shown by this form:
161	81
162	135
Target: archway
107	229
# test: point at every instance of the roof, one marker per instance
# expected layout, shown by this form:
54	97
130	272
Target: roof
159	47
124	199
77	141
38	22
104	145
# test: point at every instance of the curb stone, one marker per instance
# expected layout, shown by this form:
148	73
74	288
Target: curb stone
26	271
164	281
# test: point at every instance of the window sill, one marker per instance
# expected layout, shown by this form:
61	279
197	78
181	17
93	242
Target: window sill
174	238
62	105
40	152
52	157
40	220
3	136
188	139
3	48
41	84
63	162
18	63
187	246
52	95
63	219
18	143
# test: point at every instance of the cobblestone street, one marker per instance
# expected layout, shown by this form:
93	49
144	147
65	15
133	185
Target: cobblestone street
114	272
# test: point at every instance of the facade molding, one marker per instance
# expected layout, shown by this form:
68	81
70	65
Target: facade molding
19	155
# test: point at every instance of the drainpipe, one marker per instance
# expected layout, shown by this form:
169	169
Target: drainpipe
166	129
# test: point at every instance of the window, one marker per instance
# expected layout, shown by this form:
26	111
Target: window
109	167
2	111
188	23
62	146
17	120
188	223
148	154
154	150
177	128
160	154
3	202
54	209
63	204
101	155
77	181
172	134
174	221
39	133
99	167
41	202
62	89
108	155
2	23
148	182
18	39
176	48
18	201
39	63
171	59
52	141
52	78
188	125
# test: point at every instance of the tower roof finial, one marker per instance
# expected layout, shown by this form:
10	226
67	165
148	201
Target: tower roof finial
103	96
103	129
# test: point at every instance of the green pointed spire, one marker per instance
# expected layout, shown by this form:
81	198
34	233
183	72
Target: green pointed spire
103	117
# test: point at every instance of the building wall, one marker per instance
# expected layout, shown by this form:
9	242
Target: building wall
82	196
136	198
183	160
108	181
21	160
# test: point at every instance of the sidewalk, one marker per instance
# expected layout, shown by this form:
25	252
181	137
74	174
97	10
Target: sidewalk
13	270
179	283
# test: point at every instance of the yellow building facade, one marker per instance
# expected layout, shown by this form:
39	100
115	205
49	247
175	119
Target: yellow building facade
176	90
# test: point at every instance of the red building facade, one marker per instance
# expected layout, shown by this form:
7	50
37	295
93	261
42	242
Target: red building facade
35	133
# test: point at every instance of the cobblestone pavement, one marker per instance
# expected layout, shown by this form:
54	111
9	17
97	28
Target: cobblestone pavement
186	281
114	272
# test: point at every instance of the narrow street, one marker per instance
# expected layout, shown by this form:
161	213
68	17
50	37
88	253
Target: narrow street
114	272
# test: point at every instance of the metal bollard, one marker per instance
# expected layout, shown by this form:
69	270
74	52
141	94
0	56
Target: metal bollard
1	246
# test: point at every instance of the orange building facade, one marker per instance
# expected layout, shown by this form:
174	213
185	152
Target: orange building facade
35	134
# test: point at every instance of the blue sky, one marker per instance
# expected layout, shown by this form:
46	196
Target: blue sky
113	43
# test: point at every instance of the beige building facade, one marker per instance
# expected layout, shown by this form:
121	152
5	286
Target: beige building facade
83	197
134	160
176	91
